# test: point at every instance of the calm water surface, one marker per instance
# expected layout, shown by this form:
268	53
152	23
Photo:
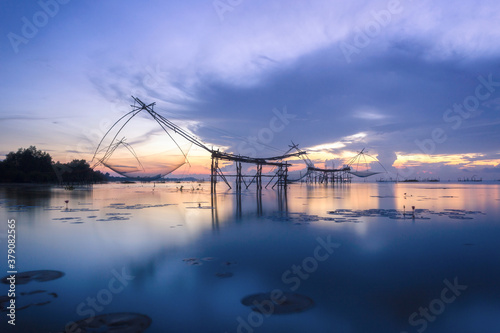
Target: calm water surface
166	254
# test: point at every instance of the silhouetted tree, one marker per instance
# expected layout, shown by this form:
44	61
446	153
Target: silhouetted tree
79	171
27	165
35	166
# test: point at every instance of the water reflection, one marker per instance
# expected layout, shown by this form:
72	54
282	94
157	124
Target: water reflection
197	255
279	195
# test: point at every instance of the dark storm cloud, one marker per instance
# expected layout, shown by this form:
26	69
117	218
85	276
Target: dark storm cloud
400	95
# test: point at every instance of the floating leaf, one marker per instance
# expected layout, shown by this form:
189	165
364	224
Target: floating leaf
460	217
113	218
4	303
114	323
229	263
192	261
40	276
25	300
284	304
224	275
33	292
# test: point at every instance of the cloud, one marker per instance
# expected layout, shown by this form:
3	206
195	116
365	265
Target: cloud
369	115
495	170
223	79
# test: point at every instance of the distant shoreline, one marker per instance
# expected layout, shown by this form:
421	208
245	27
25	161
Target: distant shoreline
55	185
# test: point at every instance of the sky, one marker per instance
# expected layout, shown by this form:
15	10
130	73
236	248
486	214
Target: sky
415	83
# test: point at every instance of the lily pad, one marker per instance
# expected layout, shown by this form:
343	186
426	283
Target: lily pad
124	322
460	217
224	275
25	300
192	261
284	303
4	303
137	206
40	276
229	263
113	218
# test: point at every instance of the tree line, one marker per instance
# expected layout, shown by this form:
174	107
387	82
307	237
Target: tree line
30	165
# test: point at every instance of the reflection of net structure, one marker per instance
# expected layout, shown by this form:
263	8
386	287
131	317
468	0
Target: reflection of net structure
138	148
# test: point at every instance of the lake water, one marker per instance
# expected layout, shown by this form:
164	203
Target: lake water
133	258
